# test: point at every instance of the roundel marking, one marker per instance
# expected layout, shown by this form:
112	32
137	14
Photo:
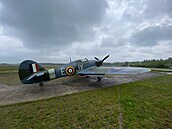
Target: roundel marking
70	70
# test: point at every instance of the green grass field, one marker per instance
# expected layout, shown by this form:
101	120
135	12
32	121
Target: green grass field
143	104
161	69
9	74
8	69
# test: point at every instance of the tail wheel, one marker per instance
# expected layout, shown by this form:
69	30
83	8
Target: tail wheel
99	78
41	84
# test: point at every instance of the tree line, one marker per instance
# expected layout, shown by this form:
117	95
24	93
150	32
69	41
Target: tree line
154	63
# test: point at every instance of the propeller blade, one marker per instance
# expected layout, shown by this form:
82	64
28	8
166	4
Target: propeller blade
96	58
105	58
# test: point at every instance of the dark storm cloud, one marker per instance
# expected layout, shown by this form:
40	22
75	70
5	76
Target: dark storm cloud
152	35
42	23
53	30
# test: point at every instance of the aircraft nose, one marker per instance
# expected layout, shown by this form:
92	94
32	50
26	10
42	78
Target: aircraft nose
98	63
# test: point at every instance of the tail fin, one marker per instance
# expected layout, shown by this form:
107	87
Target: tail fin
27	68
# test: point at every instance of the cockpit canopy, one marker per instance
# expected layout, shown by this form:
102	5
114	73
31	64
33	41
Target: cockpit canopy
84	60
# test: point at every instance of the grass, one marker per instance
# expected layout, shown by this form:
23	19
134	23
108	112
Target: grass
9	75
4	69
144	104
148	103
11	79
161	69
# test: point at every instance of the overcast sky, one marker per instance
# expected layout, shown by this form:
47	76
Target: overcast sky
53	30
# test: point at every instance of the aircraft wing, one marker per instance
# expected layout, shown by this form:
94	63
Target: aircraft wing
91	71
113	70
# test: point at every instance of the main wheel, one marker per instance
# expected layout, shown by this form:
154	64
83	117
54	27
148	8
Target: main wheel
87	76
41	84
99	78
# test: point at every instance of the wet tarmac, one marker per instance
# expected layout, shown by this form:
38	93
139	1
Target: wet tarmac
67	85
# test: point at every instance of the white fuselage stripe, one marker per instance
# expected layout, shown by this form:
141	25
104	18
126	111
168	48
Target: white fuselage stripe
52	74
34	68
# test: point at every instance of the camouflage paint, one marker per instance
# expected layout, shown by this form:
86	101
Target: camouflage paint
28	68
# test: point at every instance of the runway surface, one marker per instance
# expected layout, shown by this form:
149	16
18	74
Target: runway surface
68	85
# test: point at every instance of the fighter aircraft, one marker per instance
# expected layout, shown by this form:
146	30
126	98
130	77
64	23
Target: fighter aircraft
31	72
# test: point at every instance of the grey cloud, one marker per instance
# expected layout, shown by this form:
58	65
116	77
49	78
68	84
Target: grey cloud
111	42
158	8
107	42
139	11
53	30
133	11
150	36
57	22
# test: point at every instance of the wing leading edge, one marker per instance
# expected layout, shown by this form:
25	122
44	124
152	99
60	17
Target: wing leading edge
113	70
91	71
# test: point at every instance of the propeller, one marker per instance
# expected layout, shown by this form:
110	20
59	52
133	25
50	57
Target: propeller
96	58
105	58
100	62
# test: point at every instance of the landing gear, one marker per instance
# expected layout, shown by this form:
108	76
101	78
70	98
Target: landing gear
87	76
99	78
41	84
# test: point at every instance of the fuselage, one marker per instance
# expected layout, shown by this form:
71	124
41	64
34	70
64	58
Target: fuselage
77	65
64	70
